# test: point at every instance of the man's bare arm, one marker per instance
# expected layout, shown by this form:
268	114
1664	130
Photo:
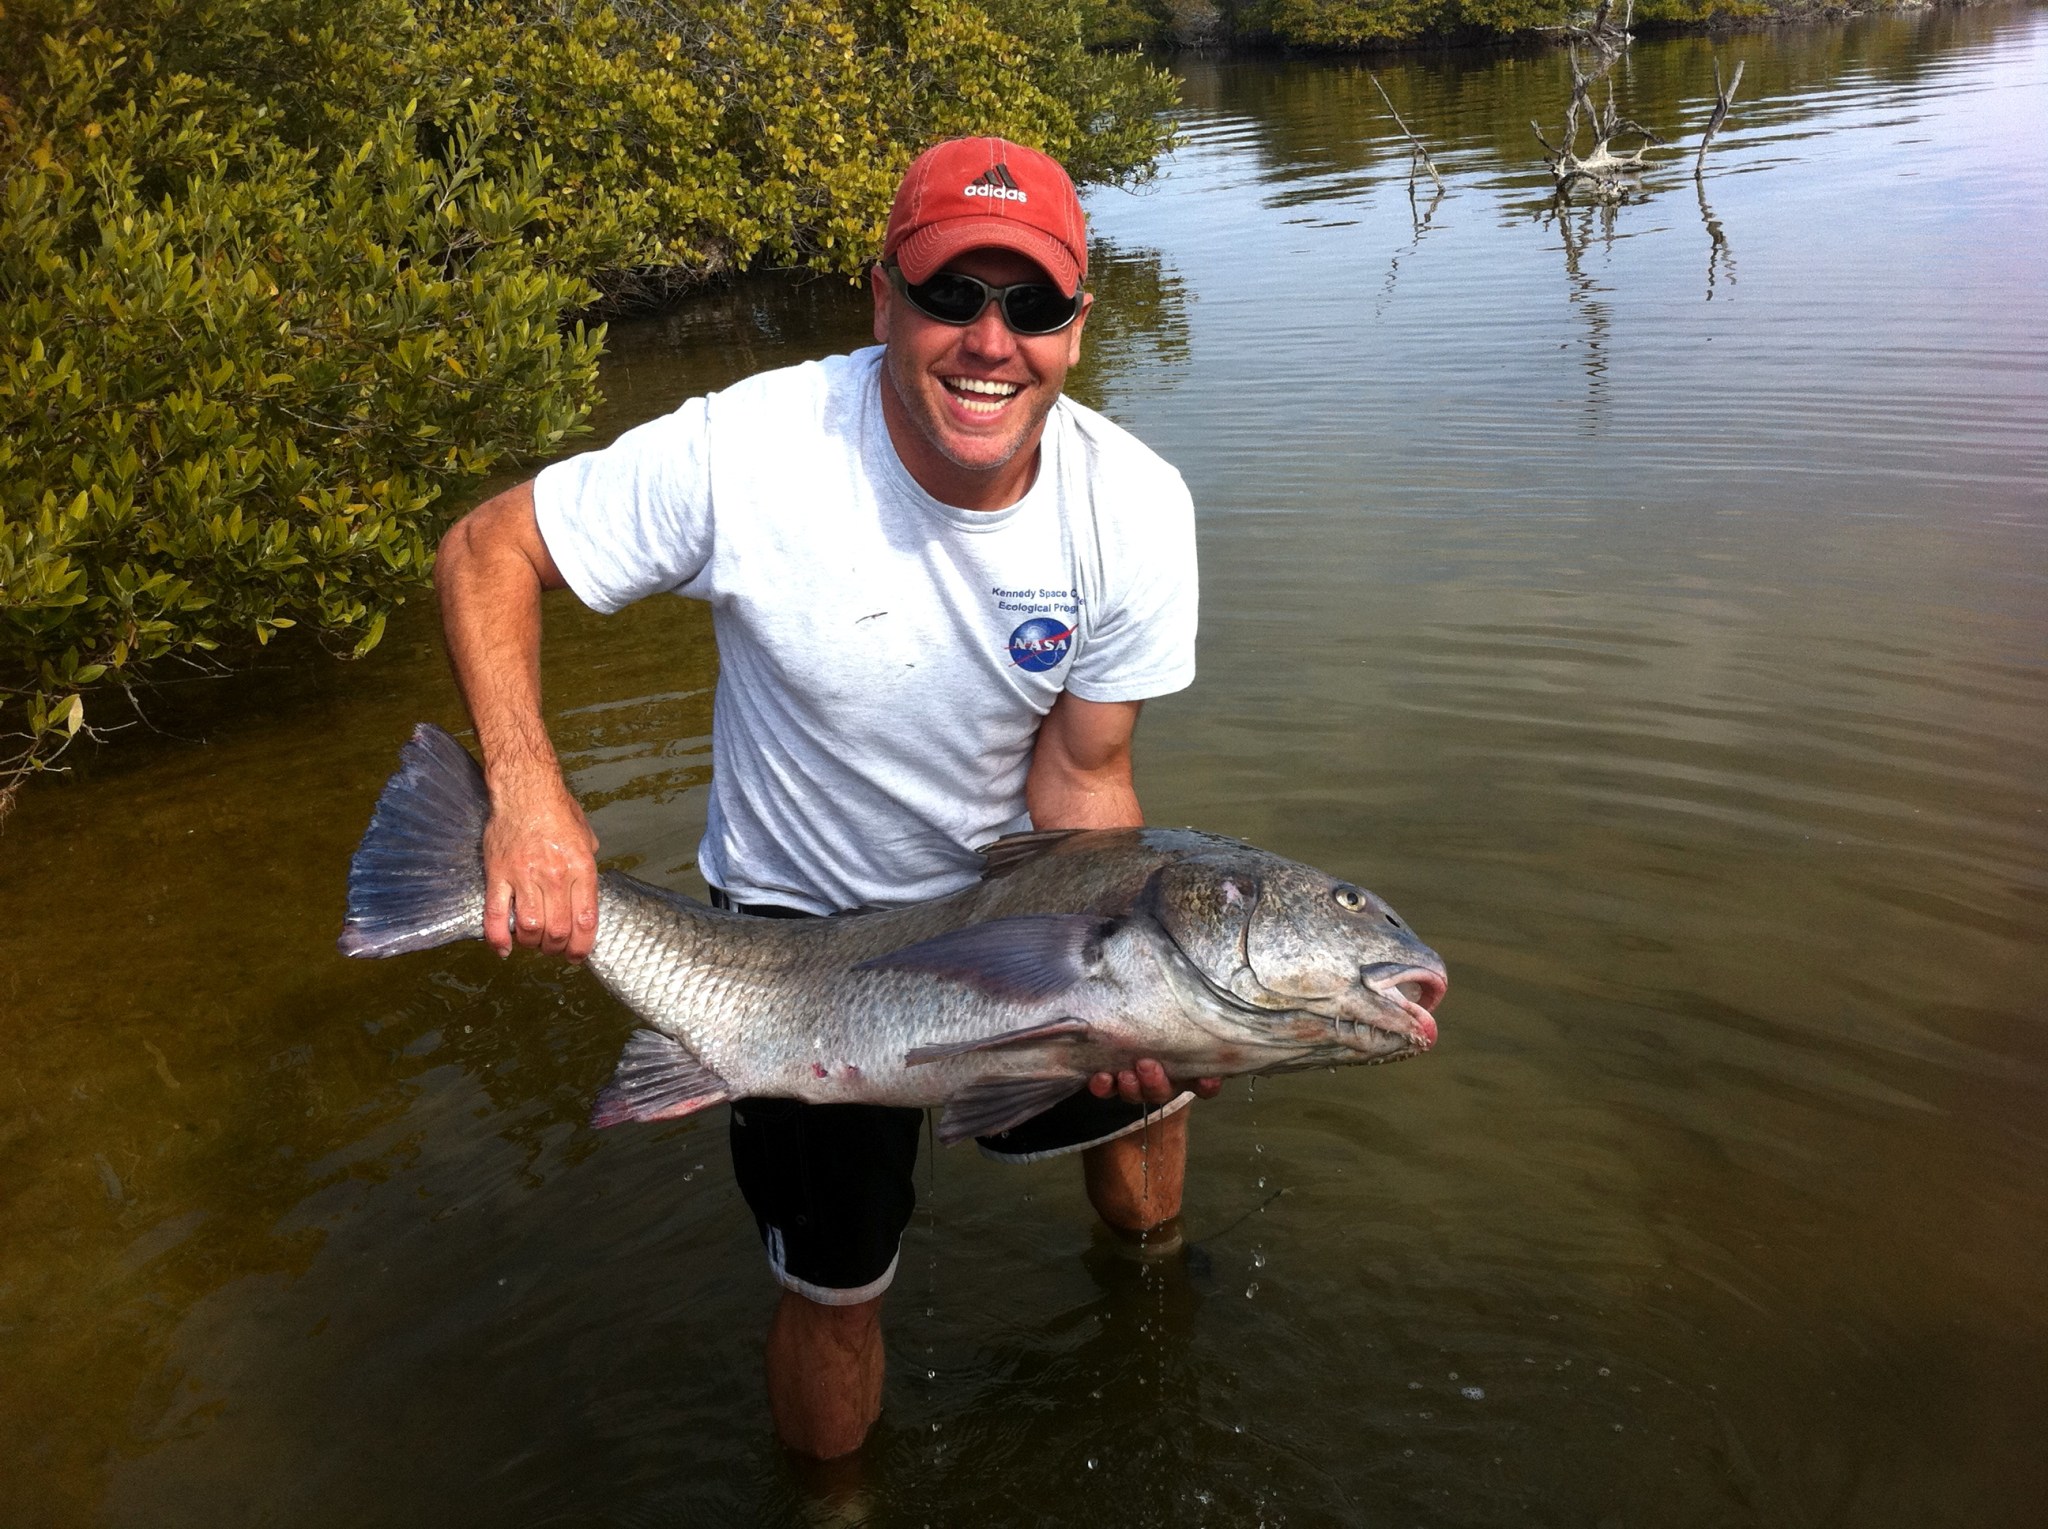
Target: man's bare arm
1081	778
540	857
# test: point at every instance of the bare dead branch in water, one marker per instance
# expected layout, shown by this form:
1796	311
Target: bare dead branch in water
1606	173
1420	153
1723	99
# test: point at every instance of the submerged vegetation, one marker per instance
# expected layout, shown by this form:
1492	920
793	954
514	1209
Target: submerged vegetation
276	274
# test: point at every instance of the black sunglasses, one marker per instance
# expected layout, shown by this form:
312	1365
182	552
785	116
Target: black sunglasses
1029	307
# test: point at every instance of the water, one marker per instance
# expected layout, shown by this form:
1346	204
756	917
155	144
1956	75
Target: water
1649	602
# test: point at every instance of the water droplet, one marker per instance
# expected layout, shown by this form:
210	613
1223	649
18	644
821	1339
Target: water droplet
1414	1385
1617	1428
1091	1462
1251	1290
1258	1258
1604	1370
1473	1393
1262	1183
1454	1375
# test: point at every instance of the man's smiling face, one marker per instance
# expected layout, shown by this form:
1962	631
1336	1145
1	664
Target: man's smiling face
966	404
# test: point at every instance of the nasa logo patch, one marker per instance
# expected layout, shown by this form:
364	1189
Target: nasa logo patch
1041	644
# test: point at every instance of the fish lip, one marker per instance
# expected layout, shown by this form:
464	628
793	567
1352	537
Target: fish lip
1371	1037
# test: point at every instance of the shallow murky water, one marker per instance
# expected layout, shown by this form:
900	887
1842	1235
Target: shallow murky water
1650	602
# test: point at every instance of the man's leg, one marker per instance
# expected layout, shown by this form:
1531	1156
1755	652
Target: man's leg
1134	1182
824	1374
831	1189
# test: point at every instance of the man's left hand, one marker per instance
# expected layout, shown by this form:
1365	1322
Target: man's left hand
1145	1082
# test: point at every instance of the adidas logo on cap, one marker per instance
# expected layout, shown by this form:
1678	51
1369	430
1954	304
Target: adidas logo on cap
995	182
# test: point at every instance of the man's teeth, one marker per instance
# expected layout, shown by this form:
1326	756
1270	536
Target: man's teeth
996	393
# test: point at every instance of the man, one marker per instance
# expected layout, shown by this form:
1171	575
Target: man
941	593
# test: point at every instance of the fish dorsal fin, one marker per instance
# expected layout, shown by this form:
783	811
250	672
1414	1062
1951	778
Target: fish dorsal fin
1056	1029
626	881
1013	850
996	1104
657	1079
1031	956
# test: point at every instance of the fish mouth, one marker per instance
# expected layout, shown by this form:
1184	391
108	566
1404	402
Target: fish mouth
1409	992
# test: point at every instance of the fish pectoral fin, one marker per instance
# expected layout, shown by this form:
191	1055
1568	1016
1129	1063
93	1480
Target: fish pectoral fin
1034	955
996	1104
917	1056
657	1079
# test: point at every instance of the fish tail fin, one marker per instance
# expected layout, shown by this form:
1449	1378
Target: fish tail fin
417	879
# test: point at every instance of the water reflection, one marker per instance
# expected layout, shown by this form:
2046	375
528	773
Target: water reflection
1580	229
1720	255
1139	324
1419	219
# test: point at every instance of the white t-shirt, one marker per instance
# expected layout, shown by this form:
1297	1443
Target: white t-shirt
884	659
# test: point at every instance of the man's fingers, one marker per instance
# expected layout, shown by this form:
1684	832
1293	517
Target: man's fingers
1147	1083
540	873
583	917
555	916
529	912
497	915
1154	1086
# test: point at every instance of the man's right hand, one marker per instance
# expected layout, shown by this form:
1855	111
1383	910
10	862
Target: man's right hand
540	872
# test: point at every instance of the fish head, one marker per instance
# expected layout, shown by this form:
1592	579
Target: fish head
1299	958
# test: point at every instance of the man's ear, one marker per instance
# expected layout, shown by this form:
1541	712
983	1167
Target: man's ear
1074	329
878	287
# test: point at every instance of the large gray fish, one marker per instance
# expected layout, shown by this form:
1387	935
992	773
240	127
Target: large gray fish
1077	952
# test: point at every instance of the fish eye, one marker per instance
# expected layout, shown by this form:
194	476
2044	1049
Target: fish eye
1348	897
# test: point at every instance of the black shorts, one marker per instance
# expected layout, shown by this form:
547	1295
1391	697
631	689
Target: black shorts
832	1186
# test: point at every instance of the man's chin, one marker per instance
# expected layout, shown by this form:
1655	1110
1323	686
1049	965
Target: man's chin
976	456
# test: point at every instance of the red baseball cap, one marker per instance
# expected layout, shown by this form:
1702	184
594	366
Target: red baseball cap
987	193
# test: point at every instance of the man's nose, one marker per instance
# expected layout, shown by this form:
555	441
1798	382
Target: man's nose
989	335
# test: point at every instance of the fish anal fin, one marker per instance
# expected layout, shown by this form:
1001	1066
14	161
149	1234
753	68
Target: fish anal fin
1053	1029
1031	956
657	1079
997	1104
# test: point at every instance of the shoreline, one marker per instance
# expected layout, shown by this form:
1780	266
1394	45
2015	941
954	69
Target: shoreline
1769	15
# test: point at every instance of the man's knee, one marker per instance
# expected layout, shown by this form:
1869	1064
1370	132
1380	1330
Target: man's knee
845	1324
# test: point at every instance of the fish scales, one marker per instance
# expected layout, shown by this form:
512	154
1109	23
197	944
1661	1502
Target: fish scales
1077	952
